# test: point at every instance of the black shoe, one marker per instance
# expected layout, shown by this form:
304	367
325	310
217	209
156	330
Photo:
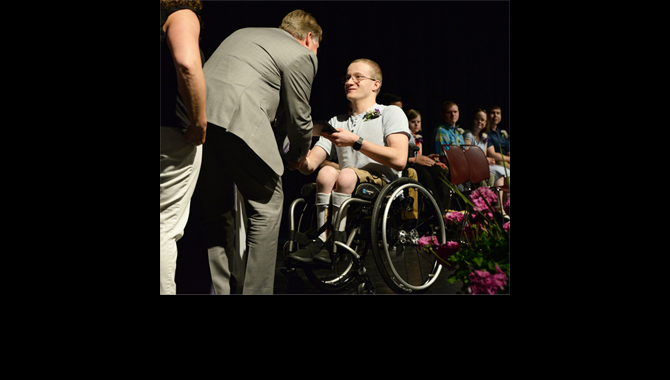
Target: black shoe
307	254
323	257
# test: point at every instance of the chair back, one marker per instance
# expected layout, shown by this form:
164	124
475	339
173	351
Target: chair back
479	166
454	158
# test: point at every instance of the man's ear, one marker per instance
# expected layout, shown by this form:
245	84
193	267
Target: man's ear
308	40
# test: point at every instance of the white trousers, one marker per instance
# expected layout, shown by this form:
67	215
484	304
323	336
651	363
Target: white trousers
180	167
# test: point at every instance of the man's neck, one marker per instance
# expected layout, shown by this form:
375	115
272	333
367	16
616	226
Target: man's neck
362	105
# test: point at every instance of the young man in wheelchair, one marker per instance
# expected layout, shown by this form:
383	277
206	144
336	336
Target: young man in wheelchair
371	145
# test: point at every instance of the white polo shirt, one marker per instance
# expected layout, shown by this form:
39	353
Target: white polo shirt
392	120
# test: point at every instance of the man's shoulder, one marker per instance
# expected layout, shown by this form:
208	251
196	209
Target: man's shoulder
441	129
390	110
272	35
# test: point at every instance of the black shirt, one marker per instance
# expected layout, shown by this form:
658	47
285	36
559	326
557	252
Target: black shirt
173	110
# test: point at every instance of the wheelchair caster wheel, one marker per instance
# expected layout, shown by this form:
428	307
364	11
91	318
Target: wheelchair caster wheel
366	288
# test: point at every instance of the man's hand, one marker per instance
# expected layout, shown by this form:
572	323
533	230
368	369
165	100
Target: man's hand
292	165
341	138
424	161
195	134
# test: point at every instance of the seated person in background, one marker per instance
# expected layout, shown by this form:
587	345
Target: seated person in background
389	99
449	132
371	144
427	168
477	135
498	137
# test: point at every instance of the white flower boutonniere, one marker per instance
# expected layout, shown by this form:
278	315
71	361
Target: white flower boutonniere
460	131
504	133
372	114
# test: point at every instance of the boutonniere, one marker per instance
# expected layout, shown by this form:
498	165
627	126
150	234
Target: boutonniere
485	137
504	134
372	114
460	131
418	138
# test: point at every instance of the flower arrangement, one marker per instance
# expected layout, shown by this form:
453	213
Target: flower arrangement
483	282
372	114
481	260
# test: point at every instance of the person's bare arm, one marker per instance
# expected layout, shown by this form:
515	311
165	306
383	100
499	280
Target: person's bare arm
393	156
491	152
183	29
314	158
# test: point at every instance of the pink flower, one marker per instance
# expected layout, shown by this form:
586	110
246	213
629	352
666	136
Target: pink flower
506	206
506	227
483	282
486	193
453	217
500	278
481	206
480	197
446	250
426	240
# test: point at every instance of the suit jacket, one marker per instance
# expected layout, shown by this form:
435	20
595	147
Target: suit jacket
251	74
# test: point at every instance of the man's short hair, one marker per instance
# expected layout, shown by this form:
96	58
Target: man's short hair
446	105
299	23
376	70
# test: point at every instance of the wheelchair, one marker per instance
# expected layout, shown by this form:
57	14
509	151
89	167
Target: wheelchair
387	221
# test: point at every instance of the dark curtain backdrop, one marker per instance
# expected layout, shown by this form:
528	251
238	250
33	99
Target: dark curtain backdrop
429	51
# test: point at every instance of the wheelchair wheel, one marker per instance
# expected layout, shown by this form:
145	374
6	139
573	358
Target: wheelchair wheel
338	275
404	212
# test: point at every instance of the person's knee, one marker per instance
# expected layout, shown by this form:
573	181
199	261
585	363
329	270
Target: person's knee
325	180
346	182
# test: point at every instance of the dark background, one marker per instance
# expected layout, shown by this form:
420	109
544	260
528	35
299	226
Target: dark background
429	52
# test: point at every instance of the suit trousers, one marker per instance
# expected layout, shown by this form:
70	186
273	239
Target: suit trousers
228	160
180	166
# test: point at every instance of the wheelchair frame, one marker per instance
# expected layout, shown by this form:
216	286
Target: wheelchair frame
349	248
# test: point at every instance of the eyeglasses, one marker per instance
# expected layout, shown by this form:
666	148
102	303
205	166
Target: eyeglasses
357	78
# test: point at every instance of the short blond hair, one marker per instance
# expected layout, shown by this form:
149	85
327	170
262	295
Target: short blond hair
376	71
299	23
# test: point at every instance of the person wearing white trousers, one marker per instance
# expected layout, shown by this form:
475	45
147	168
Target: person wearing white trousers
180	167
183	125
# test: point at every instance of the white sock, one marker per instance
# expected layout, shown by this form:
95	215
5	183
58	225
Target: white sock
338	199
322	203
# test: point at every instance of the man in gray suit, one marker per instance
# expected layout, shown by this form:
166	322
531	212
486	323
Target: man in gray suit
252	74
